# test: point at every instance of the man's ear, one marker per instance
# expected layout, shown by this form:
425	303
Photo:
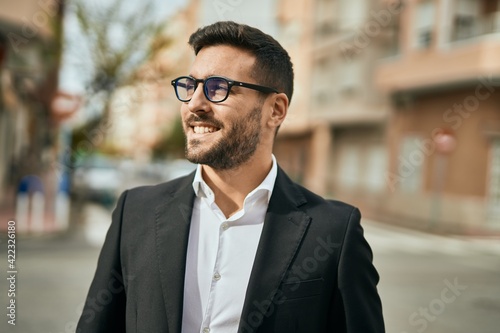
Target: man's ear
279	110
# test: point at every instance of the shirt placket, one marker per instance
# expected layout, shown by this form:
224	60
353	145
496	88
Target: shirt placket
216	275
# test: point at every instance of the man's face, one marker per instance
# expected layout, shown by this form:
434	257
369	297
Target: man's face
223	135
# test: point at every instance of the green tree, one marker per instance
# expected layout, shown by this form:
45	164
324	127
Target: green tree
118	39
173	142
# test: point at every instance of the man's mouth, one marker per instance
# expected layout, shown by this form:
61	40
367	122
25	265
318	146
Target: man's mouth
204	129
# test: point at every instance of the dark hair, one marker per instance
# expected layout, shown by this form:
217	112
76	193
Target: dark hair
272	68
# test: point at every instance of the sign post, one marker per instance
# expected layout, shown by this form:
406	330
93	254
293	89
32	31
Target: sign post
445	142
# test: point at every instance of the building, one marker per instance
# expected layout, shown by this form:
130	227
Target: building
402	114
340	133
30	47
444	130
296	147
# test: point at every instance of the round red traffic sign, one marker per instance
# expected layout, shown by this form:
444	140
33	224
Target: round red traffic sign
445	140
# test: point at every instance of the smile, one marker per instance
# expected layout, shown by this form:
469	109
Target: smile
204	129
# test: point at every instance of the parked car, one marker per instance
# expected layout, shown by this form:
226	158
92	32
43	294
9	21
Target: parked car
178	168
97	178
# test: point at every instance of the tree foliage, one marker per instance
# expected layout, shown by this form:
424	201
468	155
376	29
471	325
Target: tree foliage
117	37
173	142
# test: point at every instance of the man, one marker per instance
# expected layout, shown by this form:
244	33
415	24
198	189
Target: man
235	246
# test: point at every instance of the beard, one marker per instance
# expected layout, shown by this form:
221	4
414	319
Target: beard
232	150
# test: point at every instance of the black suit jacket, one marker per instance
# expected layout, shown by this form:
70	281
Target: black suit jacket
312	272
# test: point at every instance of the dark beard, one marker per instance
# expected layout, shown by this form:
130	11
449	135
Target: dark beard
234	149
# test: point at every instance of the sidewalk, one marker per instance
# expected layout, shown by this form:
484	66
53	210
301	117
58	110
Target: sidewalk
53	276
386	237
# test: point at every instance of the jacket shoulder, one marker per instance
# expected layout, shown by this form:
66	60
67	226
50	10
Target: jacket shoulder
315	200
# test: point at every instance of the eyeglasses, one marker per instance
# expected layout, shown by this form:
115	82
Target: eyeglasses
215	88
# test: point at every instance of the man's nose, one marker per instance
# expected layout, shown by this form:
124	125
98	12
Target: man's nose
198	102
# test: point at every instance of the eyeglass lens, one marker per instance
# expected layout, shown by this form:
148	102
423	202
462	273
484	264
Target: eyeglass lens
215	89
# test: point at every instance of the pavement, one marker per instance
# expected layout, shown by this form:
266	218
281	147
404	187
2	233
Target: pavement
388	238
436	284
429	283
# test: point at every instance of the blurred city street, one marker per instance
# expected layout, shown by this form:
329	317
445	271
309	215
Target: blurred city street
429	283
396	111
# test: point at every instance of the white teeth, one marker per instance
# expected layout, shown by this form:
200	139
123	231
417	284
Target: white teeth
203	129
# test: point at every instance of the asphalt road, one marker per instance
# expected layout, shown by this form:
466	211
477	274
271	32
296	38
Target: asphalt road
428	283
436	284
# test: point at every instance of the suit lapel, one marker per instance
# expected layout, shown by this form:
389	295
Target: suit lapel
173	219
284	227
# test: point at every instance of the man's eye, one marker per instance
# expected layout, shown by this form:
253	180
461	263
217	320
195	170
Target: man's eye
221	87
217	85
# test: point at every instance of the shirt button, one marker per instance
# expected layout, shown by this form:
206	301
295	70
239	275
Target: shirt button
224	226
206	330
216	276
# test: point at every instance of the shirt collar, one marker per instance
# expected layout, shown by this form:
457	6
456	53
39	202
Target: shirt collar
201	189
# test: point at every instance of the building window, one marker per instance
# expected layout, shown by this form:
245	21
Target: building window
352	14
349	166
375	168
362	166
324	85
424	24
350	75
491	10
465	20
325	17
410	164
473	18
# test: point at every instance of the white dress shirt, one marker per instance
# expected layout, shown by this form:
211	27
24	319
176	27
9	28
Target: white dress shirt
220	256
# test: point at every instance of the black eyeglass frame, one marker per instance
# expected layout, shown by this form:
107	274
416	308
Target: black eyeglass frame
230	84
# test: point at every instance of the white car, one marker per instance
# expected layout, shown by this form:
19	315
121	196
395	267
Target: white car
97	178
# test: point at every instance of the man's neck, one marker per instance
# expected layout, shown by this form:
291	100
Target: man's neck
232	186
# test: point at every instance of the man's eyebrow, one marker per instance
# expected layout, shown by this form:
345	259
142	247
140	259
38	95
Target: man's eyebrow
206	76
196	77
